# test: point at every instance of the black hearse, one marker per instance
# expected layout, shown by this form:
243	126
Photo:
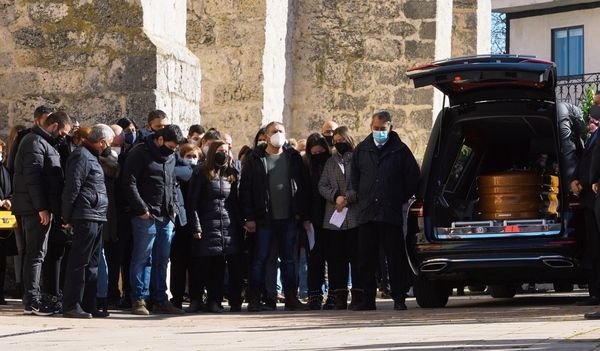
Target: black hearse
500	121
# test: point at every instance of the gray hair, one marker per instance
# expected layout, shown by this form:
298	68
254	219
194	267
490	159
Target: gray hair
99	132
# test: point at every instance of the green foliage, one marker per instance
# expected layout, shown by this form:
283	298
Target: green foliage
587	102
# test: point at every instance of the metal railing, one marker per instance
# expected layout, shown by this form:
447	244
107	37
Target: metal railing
573	88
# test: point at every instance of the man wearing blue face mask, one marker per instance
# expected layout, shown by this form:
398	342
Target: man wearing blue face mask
385	175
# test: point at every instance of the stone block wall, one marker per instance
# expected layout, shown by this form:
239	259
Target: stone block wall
228	38
464	28
350	59
92	59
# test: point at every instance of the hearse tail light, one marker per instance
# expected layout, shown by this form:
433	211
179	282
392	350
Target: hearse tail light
416	209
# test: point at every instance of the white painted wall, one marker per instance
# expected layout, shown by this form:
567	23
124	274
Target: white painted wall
275	70
166	18
443	45
533	35
178	74
484	26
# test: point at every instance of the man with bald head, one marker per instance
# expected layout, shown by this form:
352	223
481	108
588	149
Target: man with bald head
119	139
327	131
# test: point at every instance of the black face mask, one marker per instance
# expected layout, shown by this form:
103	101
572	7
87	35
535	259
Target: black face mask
165	151
329	139
106	152
342	148
320	158
220	159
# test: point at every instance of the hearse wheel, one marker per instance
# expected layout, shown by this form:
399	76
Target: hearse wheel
431	293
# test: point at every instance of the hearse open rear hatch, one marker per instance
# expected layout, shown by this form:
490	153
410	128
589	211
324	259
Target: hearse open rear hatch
488	77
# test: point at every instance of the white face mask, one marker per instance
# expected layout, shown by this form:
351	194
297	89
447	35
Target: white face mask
194	161
195	142
116	149
205	150
278	140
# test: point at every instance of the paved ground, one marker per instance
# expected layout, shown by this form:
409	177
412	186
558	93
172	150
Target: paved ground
529	322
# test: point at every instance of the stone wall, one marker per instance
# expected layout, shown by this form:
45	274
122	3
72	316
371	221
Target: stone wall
90	58
350	59
228	38
464	28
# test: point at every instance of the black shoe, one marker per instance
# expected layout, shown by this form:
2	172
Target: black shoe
365	306
400	305
177	303
3	301
293	304
592	301
329	303
194	307
314	302
125	304
592	315
27	309
77	313
269	305
99	314
41	309
213	307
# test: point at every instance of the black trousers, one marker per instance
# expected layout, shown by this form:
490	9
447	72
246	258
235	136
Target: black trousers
181	262
592	251
342	252
316	263
36	245
82	267
370	236
211	271
118	259
52	268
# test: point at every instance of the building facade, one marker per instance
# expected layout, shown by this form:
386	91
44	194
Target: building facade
233	64
562	31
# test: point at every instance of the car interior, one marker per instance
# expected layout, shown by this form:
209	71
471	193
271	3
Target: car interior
480	146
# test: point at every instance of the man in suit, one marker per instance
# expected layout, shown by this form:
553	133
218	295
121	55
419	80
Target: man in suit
581	185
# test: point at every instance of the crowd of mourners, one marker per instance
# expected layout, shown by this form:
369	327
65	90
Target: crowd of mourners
102	210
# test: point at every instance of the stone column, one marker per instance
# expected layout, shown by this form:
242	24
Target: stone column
177	68
228	37
471	27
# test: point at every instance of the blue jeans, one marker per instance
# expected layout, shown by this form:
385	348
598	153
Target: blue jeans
149	259
285	232
102	274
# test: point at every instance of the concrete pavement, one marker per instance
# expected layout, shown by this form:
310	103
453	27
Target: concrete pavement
528	322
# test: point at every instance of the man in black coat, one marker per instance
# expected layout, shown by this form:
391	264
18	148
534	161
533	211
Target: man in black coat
37	185
149	187
274	196
385	175
84	207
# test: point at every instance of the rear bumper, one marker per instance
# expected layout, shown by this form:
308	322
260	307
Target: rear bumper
499	269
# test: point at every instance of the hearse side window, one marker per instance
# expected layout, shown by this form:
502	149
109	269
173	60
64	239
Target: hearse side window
458	168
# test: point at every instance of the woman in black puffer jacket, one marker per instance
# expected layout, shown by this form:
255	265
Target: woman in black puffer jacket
214	220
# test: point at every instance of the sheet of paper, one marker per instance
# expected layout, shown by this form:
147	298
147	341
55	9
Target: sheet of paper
337	218
310	233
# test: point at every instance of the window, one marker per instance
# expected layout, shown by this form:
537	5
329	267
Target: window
567	50
458	168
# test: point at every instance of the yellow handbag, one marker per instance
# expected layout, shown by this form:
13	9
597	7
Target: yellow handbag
7	220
